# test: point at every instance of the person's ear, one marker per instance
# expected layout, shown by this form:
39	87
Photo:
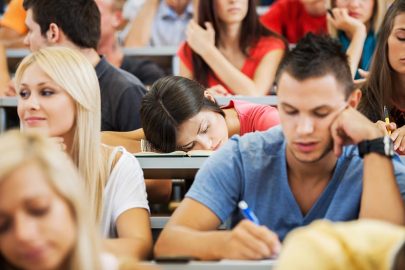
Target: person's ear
209	96
53	35
354	98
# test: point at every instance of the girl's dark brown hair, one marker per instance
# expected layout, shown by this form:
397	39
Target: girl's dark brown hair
379	88
251	31
171	101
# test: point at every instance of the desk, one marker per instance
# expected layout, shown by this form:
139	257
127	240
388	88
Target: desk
170	167
6	102
268	100
215	265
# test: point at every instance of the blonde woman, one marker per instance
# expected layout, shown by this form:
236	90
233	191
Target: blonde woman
44	223
59	94
356	24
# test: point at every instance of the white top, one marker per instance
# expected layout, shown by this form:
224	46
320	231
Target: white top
125	190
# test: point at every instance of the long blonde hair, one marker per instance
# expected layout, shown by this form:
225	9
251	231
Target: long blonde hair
380	7
74	73
19	149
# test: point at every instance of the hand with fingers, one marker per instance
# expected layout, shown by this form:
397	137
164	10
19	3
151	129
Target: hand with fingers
385	127
11	91
343	21
364	75
218	90
249	241
200	39
352	127
398	136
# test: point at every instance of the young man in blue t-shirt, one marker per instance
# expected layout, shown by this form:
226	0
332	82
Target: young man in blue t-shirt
306	169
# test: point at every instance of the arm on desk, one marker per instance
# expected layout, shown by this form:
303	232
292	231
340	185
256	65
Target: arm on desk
381	198
135	237
130	140
192	231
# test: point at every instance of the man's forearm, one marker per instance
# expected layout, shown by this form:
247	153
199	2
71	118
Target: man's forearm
182	241
381	198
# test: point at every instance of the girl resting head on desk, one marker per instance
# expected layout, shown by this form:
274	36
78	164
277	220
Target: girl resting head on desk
44	223
59	95
385	86
179	114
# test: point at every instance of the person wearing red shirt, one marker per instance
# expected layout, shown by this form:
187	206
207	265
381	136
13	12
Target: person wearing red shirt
293	19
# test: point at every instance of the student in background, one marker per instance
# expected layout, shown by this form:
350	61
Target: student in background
59	95
12	26
356	245
160	23
111	20
386	82
44	218
76	24
12	31
308	168
356	24
229	50
293	19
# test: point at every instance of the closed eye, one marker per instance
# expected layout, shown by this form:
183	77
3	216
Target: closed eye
39	211
205	130
290	111
321	114
188	148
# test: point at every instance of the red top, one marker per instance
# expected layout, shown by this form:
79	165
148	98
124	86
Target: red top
254	117
256	54
290	19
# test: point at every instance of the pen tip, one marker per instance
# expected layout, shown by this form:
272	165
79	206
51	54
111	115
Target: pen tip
242	205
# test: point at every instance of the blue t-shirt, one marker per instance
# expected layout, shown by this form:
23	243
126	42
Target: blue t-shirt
253	168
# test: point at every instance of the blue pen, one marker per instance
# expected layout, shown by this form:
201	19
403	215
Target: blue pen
247	213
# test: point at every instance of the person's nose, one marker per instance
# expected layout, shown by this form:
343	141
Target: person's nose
305	126
354	3
32	102
25	229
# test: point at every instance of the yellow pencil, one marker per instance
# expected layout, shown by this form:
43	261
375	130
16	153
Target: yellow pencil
387	118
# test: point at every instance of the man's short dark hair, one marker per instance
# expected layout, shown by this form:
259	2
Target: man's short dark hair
78	19
316	56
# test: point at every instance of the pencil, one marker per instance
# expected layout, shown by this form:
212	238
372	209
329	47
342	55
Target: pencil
387	118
